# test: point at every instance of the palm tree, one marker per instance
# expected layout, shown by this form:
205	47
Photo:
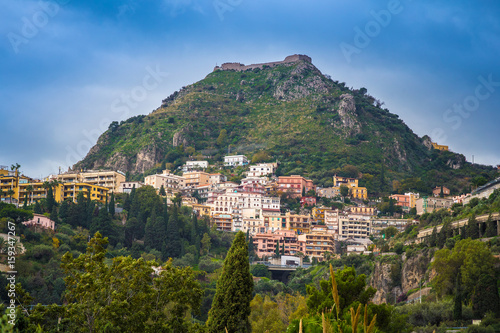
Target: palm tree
29	189
10	193
46	186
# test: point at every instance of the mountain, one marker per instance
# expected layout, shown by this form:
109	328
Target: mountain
287	111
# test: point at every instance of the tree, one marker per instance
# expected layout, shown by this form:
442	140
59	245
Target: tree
112	205
125	296
265	315
490	228
222	137
205	244
457	299
173	241
10	194
472	227
231	304
37	209
50	199
277	250
162	191
433	238
344	191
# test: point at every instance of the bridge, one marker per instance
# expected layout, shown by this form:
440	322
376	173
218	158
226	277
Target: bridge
282	272
481	220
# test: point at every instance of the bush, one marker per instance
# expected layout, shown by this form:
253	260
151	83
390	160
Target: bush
208	265
260	270
42	252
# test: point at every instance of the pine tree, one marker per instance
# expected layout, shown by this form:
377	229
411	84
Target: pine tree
231	304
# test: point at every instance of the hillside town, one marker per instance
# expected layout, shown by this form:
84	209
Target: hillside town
328	221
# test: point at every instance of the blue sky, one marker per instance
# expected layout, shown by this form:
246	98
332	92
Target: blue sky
69	68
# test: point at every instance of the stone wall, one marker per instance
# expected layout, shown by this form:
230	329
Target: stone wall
241	67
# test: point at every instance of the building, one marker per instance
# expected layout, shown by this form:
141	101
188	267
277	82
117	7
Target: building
430	204
437	191
408	200
224	222
126	187
329	192
255	180
108	179
295	185
309	201
299	223
366	211
484	191
94	192
194	165
11	180
235	160
332	217
40	221
170	182
354	227
265	243
439	147
355	191
262	169
217	178
274	222
379	224
349	182
194	179
201	210
316	244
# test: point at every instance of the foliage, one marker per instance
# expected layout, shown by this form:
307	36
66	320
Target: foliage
231	304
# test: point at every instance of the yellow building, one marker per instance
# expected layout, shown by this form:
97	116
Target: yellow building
349	182
440	147
352	183
318	214
201	210
36	191
196	178
10	180
108	179
359	193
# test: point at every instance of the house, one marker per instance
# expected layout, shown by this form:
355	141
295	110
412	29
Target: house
195	165
437	191
262	169
430	204
40	221
126	187
408	200
309	201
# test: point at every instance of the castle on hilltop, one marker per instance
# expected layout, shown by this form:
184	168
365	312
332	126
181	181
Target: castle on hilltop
241	67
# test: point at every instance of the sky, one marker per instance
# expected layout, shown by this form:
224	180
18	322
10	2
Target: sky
69	68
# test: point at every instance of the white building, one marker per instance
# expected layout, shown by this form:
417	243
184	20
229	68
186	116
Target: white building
235	160
262	169
216	178
168	180
195	165
126	187
355	228
255	180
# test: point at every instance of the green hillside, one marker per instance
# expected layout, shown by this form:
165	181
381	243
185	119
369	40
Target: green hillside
292	113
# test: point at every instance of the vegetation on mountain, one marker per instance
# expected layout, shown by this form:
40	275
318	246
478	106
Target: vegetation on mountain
312	125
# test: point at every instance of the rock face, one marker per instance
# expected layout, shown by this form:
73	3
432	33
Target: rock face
413	271
347	113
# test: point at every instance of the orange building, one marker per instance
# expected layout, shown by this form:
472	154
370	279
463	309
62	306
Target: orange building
294	184
265	243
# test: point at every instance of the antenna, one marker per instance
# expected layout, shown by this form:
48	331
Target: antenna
472	159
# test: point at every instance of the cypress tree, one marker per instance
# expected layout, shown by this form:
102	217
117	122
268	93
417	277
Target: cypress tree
472	227
37	209
277	250
50	199
162	191
433	237
112	205
457	300
160	233
194	229
173	242
490	228
25	203
283	248
231	304
63	211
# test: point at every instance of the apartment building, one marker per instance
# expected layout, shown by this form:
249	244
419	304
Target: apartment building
194	165
294	184
354	227
262	169
430	204
274	222
329	192
378	224
299	223
235	160
94	192
169	181
408	200
316	243
216	178
195	178
265	243
224	222
108	179
126	187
